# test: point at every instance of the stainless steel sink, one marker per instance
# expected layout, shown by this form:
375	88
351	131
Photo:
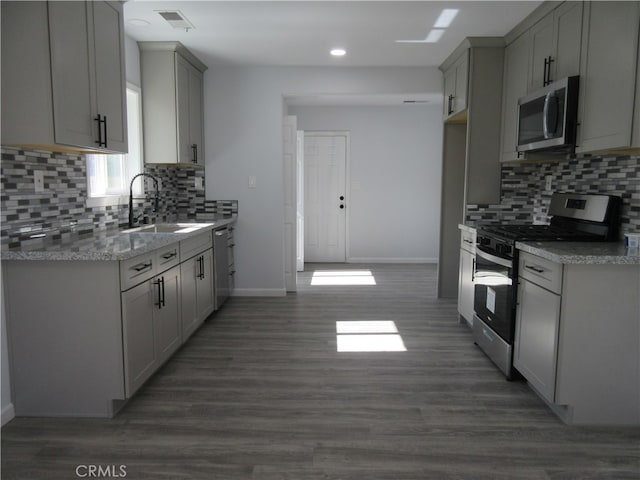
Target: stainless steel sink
169	228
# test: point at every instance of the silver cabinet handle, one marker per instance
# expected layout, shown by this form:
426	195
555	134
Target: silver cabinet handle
221	233
170	255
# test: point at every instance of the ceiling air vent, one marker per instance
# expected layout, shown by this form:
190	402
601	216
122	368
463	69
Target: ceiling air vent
176	19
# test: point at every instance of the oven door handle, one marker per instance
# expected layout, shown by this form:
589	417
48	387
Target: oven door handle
492	258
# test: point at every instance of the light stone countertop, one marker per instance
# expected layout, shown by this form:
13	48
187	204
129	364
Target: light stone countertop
107	245
584	253
467	228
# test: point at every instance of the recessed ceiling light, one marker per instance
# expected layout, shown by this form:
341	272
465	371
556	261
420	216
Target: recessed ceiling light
138	22
446	17
338	52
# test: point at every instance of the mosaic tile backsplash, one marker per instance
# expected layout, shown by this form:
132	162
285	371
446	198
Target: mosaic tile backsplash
524	198
62	207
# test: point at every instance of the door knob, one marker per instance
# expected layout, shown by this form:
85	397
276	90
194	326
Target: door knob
341	206
341	197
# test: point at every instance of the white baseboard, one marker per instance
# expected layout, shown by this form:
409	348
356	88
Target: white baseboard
259	292
392	260
7	414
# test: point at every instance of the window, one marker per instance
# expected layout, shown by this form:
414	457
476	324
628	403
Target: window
108	176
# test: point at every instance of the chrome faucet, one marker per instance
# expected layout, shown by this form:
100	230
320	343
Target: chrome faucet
132	219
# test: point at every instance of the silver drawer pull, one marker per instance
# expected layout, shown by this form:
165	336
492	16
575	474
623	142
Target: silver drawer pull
169	255
219	234
141	267
467	241
535	269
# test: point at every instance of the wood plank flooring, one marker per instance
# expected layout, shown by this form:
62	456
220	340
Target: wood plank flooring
260	392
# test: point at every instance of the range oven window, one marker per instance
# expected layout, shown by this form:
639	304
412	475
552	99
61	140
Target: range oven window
494	293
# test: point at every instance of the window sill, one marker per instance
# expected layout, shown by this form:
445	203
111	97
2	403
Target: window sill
107	201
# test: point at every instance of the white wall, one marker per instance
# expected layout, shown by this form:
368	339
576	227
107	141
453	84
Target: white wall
396	158
243	131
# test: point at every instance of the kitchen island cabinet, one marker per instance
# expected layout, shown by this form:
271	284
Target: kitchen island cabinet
577	331
65	61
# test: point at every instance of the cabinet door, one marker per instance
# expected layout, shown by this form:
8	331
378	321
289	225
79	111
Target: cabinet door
182	109
168	332
72	74
462	80
188	275
466	285
139	345
515	83
449	91
567	37
536	339
541	49
205	285
109	72
608	75
196	135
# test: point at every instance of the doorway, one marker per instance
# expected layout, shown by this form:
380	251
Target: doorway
326	156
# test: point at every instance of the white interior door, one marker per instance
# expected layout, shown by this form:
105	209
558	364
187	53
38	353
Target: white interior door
325	204
300	201
289	135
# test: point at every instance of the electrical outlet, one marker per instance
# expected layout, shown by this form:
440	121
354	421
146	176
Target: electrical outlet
38	181
252	181
198	183
547	183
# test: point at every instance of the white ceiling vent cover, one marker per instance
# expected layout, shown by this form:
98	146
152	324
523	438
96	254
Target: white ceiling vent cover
176	19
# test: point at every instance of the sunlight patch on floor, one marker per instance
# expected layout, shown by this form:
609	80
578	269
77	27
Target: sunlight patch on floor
369	336
343	277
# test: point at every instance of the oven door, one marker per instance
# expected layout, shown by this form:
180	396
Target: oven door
494	293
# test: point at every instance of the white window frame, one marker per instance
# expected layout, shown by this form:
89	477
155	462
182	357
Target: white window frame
132	162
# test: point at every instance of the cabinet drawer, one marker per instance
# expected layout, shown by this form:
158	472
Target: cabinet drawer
195	245
168	257
136	270
468	241
541	271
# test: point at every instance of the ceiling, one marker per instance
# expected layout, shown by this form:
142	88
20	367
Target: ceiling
301	33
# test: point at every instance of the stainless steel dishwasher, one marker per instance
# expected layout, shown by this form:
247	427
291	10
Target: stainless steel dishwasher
221	265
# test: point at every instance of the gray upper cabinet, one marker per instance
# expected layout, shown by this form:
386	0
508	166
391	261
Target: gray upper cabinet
515	85
546	51
608	77
456	81
555	45
172	95
64	60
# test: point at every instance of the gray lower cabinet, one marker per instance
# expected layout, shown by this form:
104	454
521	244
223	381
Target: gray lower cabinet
152	326
537	323
576	338
197	291
221	265
466	284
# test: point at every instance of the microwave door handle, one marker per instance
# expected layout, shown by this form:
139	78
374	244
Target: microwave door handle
550	115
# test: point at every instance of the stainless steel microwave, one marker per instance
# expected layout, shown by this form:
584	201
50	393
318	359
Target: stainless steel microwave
547	118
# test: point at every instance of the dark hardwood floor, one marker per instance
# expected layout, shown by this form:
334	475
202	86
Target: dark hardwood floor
260	392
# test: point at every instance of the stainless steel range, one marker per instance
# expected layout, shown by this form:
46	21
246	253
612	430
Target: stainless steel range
575	217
